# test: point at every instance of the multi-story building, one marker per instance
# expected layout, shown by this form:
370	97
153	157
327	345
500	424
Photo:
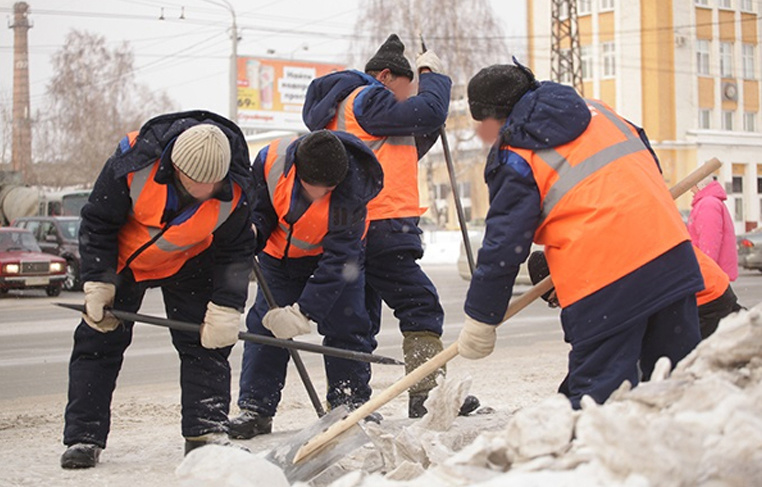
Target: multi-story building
688	71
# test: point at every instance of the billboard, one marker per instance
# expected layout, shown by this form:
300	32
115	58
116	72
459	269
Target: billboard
271	91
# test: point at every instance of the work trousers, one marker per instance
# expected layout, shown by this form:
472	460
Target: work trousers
712	312
392	274
263	372
97	358
598	367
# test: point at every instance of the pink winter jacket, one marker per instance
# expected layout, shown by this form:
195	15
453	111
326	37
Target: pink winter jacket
711	228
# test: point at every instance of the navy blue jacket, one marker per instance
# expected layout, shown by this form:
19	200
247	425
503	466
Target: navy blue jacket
551	115
376	109
342	245
110	204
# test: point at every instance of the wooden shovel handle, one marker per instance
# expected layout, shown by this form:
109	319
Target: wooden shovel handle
451	352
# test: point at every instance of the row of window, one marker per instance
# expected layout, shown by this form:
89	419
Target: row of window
727	120
703	59
608	61
585	7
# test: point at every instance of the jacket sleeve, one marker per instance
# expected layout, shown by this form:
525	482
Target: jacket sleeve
263	214
103	215
380	114
340	261
233	254
706	227
512	219
424	143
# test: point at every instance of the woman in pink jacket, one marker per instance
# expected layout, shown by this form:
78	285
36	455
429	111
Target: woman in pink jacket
711	226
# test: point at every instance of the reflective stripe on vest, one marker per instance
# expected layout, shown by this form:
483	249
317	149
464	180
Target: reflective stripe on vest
304	237
180	242
606	210
398	157
716	282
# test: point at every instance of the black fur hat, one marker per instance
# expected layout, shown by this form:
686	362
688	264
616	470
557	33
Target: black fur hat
321	159
494	90
391	55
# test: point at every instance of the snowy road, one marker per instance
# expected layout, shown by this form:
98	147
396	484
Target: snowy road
35	336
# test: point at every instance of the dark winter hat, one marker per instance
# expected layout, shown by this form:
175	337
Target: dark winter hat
202	153
391	55
537	266
494	90
321	159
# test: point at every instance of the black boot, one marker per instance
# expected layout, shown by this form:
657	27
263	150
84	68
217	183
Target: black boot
416	409
249	424
470	404
221	439
81	455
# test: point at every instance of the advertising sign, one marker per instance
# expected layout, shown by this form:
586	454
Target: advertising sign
271	91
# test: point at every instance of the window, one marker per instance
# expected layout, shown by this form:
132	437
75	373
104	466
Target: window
725	4
750	122
727	120
726	59
737	184
738	213
609	59
563	11
705	119
586	58
759	185
702	3
702	57
747	58
584	7
747	5
607	4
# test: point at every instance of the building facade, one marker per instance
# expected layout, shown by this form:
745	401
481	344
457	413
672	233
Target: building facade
688	71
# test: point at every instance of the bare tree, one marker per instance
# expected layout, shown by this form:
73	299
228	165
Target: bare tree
465	34
94	100
6	128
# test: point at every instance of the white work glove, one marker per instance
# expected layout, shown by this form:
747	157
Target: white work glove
98	295
477	339
220	326
429	60
286	322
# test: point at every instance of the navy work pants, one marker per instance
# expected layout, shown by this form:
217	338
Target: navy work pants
97	358
392	274
598	367
263	372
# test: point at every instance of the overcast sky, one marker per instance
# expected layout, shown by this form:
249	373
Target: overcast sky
189	58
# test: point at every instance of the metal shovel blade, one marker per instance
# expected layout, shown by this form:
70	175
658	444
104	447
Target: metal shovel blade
333	451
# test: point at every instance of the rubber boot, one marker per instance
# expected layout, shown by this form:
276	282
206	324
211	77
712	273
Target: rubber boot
417	348
249	424
81	455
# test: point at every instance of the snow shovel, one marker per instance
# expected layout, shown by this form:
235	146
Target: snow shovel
317	447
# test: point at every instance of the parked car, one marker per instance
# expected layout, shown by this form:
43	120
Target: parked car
750	250
23	265
57	235
475	238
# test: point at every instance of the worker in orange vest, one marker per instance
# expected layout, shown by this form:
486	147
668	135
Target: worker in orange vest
576	177
310	220
376	106
170	209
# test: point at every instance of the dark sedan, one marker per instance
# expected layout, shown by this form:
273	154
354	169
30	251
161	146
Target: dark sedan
750	250
23	265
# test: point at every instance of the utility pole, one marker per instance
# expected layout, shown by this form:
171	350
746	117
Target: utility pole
565	53
21	148
233	70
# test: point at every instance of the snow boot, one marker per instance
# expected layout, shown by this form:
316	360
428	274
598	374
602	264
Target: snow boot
249	424
416	409
81	455
217	438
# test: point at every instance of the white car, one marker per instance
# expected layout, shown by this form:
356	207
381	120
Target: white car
475	236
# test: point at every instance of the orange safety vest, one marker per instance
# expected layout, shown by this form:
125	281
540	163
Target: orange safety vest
716	282
398	157
605	208
176	245
304	237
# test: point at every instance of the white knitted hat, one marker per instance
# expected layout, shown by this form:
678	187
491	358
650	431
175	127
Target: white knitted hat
202	153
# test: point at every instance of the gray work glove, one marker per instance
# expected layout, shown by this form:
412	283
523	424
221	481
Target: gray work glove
220	327
429	60
99	295
477	339
286	322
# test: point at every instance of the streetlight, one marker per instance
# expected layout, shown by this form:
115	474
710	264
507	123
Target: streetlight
233	74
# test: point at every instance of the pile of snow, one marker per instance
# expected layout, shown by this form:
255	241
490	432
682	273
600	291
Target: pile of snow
701	425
